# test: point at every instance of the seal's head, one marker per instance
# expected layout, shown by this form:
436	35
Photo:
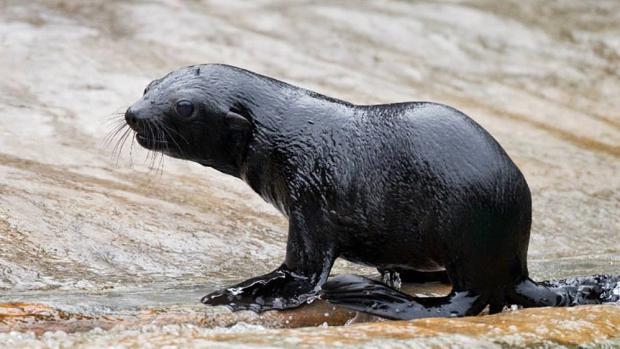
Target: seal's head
190	114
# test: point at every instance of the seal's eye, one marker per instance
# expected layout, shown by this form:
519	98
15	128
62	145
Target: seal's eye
185	108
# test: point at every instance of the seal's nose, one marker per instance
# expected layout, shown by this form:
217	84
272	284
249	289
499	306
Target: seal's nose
132	119
135	121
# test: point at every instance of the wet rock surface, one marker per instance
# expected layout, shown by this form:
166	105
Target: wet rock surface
588	326
89	239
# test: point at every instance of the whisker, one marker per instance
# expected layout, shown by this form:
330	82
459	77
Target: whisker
119	135
160	169
118	141
155	149
158	145
164	133
114	119
151	154
166	148
115	122
148	153
112	134
133	139
122	144
177	133
157	132
168	131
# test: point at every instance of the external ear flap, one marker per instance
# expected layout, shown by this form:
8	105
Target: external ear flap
239	133
236	122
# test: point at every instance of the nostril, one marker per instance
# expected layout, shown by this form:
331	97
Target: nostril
130	117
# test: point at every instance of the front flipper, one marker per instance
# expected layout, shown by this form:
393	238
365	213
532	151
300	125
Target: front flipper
310	255
280	289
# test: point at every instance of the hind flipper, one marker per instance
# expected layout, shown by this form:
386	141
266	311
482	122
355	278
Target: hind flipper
528	293
595	289
576	291
369	296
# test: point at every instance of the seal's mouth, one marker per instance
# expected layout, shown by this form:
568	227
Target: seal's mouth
151	143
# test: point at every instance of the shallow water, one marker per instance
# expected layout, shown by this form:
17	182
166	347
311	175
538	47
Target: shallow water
89	233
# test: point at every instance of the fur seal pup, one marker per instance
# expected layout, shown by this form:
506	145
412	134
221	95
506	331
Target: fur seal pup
417	188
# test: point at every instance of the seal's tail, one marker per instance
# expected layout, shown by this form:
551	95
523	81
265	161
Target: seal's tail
373	297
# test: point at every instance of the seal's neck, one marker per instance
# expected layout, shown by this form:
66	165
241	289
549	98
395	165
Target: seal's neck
279	113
